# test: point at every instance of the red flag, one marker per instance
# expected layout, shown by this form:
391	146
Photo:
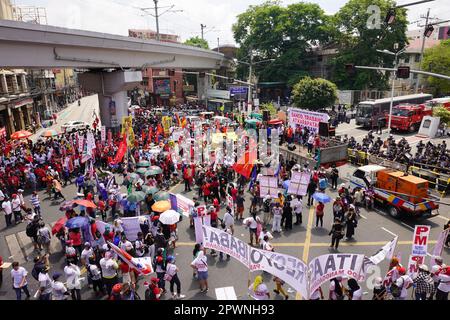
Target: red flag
245	165
159	130
122	149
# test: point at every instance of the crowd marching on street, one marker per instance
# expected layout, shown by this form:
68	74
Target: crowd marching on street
121	160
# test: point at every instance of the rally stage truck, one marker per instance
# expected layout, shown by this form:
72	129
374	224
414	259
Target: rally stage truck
401	194
408	117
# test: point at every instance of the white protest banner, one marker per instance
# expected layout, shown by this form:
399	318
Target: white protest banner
439	246
222	241
288	268
386	252
305	118
80	142
329	266
268	186
420	240
199	222
413	263
181	204
299	183
131	227
103	133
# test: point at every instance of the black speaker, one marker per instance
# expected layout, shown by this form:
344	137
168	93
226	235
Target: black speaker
323	129
291	147
266	115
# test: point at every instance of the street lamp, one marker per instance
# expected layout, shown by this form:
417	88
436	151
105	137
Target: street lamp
393	81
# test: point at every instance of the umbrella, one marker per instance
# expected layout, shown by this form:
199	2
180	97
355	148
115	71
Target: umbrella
143	163
141	170
133	176
286	184
169	217
152	173
67	205
161	195
59	224
161	206
136	196
23	134
77	222
252	121
321	197
49	133
157	169
149	190
85	203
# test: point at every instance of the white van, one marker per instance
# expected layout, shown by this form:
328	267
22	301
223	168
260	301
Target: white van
364	176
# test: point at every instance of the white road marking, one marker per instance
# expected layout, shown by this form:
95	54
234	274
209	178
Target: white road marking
443	218
362	216
388	231
407	225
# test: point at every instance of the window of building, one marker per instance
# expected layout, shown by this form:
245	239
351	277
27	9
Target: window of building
417	59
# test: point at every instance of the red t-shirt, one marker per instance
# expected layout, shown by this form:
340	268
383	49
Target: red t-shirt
319	209
206	190
76	238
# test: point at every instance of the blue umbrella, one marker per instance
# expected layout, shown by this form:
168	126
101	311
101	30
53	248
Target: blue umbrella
77	222
286	184
321	197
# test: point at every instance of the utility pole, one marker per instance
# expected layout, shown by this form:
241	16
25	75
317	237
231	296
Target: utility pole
203	27
250	71
423	47
157	19
218	45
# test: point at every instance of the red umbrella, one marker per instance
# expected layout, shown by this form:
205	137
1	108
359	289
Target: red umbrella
59	225
85	203
21	135
275	121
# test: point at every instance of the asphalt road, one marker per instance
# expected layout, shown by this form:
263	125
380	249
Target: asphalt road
306	241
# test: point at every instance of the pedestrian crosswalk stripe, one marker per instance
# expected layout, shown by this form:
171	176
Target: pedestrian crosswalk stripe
15	249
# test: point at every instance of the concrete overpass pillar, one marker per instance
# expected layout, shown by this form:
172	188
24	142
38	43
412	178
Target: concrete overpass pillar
111	88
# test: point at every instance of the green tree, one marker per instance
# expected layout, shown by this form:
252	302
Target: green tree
357	43
197	42
269	107
437	60
314	94
286	34
442	113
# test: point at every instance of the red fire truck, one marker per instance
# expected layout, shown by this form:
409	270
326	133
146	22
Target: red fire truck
407	117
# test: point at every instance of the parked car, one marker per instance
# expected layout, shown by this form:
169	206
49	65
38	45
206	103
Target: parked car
73	126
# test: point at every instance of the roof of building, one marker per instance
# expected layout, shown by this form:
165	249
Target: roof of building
415	45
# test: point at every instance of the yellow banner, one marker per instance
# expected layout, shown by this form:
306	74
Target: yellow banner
167	123
127	127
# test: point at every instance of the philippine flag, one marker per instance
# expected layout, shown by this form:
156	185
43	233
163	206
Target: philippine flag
141	265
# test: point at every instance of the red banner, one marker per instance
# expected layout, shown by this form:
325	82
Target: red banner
122	149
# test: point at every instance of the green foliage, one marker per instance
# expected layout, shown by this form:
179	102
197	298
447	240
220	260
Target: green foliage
197	42
358	44
437	60
270	107
314	94
442	113
286	34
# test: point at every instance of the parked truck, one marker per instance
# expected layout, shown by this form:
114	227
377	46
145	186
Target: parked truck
401	194
408	117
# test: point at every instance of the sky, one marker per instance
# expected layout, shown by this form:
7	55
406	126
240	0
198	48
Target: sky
117	16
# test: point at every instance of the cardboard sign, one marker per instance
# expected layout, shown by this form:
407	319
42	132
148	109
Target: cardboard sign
299	183
268	186
420	240
413	263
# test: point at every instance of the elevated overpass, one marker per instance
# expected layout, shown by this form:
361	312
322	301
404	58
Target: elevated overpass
114	62
26	45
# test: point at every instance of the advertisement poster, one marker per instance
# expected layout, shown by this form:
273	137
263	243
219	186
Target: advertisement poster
162	87
305	118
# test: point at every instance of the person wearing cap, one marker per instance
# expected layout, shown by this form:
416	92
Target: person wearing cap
444	284
171	275
404	282
59	290
379	290
424	286
153	292
45	284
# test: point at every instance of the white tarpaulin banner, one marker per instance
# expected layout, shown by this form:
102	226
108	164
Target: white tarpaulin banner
329	266
103	133
420	240
386	252
439	246
305	118
131	227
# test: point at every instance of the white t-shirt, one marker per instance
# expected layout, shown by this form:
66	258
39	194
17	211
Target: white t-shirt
201	264
357	295
403	282
263	234
171	269
86	254
228	220
445	282
139	245
73	277
58	290
254	222
109	267
297	205
45	282
16	204
18	275
6	206
260	293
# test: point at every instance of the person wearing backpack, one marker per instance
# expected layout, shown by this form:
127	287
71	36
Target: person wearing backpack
32	232
399	289
44	237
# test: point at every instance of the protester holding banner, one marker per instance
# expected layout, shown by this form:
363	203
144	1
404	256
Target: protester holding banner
258	290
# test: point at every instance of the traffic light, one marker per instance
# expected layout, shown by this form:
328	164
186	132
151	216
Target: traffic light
428	31
390	17
403	72
350	69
